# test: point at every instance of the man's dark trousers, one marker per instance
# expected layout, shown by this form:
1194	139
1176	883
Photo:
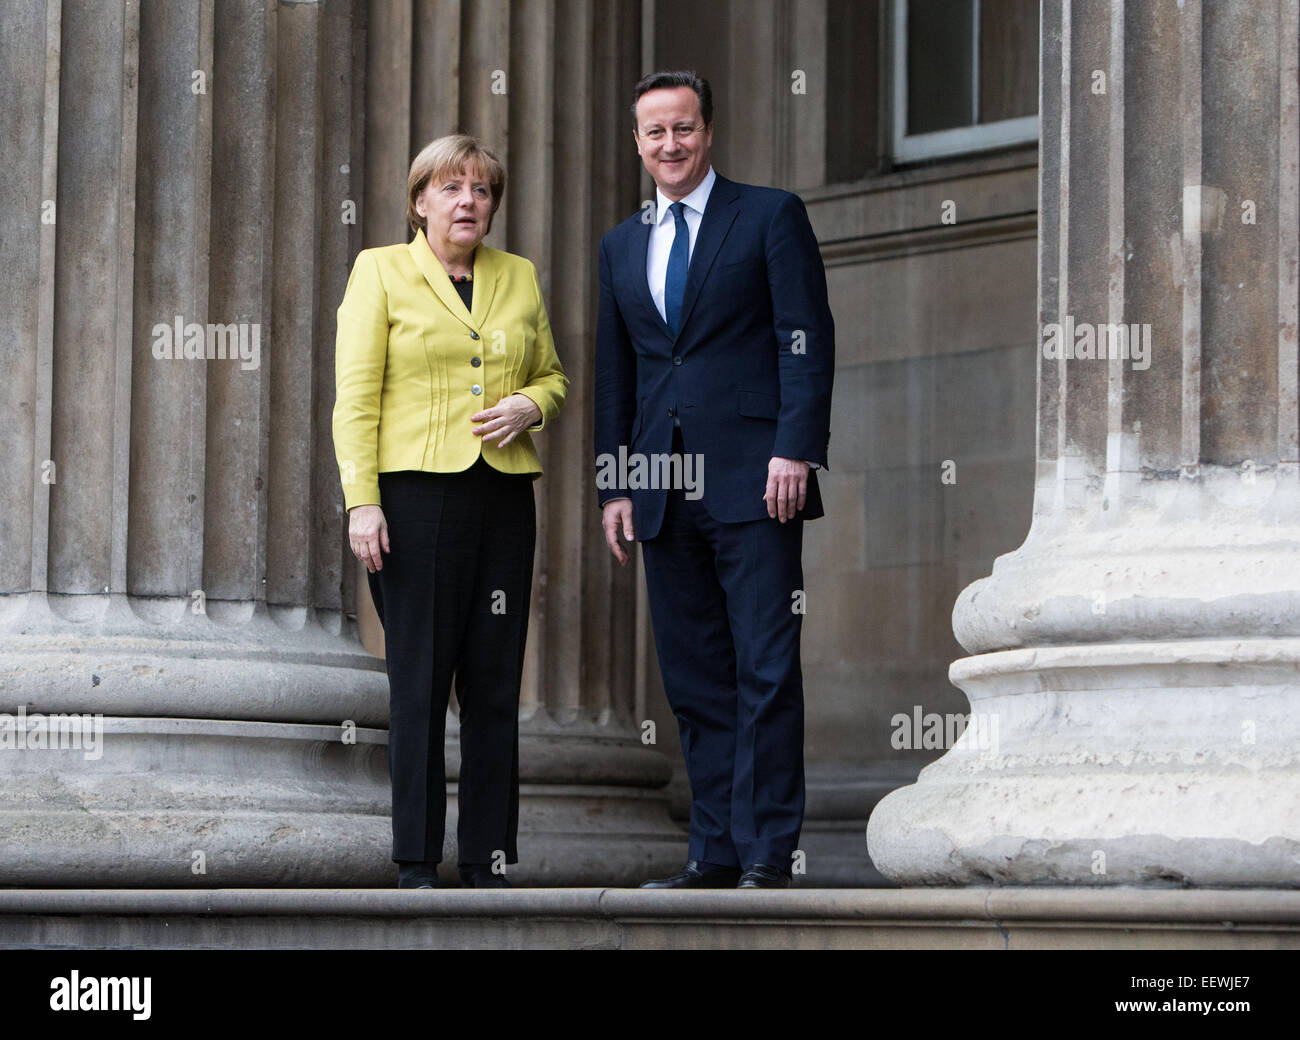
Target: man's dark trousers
726	624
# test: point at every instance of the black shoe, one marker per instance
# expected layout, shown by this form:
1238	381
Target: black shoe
480	875
417	875
698	875
760	875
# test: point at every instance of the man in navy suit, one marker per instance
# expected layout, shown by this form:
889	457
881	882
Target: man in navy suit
715	345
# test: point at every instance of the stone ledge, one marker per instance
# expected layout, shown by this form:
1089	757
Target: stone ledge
609	918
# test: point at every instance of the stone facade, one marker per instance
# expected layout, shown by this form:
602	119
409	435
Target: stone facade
175	559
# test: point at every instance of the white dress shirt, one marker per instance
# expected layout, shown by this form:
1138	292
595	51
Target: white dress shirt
665	230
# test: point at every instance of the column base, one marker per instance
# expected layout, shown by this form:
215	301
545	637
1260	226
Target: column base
245	746
159	802
1174	763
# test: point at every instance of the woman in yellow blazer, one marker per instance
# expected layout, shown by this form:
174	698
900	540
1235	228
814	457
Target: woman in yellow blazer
444	364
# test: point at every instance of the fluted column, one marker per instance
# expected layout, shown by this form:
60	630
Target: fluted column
172	573
1133	669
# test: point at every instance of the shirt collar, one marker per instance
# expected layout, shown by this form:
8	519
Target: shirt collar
696	200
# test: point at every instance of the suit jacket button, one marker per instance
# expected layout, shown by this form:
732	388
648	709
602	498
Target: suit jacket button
476	389
476	361
473	334
677	361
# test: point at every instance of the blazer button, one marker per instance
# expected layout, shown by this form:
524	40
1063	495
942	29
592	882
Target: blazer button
476	389
677	361
473	334
476	361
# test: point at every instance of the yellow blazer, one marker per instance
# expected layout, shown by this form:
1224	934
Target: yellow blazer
412	365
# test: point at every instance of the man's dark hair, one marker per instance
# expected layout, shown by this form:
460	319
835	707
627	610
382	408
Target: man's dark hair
687	78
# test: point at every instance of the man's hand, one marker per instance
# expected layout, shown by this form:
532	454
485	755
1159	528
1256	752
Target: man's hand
367	534
787	487
507	419
617	514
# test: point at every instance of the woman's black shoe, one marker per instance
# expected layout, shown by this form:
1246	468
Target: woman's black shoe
480	875
417	875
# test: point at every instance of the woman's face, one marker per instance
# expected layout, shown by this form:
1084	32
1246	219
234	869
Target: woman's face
456	209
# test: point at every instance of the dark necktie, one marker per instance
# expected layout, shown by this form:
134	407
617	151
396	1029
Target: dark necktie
678	258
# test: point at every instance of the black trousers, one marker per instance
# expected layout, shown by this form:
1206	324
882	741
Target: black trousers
453	599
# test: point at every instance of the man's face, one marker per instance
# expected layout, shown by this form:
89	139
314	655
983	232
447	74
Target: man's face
671	139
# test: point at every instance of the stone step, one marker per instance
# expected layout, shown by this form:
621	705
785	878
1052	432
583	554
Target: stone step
620	918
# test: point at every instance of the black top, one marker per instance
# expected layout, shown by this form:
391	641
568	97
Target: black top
465	286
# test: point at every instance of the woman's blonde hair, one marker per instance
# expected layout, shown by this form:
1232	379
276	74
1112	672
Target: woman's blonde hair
452	154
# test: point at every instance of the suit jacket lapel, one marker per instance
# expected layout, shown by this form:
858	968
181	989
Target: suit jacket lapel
719	214
486	270
640	249
440	283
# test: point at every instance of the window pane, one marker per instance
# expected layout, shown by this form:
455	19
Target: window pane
1008	59
939	53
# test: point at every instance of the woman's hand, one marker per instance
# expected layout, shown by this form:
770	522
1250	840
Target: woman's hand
367	533
507	419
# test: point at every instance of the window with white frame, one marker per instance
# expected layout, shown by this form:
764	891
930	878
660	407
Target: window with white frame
965	76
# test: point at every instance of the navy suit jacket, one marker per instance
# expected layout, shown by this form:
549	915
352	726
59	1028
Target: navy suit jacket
749	372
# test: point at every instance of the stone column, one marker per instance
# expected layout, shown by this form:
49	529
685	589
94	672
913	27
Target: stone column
1133	678
172	567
